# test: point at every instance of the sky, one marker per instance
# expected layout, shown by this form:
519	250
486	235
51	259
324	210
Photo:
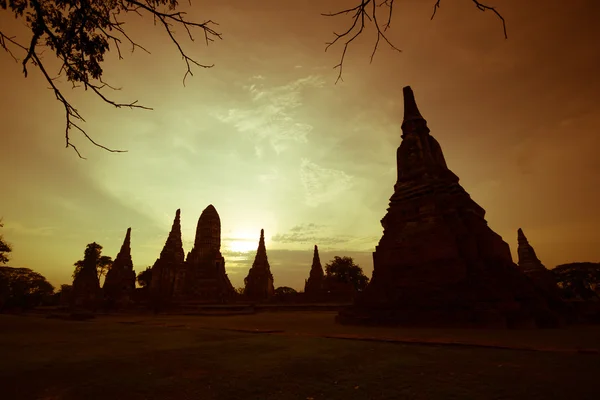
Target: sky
271	140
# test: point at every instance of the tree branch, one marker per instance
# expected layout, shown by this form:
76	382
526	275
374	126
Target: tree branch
361	15
79	33
480	6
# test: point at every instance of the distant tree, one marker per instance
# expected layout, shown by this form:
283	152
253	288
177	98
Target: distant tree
80	32
239	290
93	256
22	288
343	269
580	280
5	248
145	277
284	290
284	294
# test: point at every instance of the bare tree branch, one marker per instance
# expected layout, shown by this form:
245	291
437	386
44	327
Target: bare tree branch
360	18
480	6
361	15
79	32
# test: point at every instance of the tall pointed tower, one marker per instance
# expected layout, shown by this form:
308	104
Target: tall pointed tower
205	277
168	266
120	278
438	262
531	265
259	282
314	283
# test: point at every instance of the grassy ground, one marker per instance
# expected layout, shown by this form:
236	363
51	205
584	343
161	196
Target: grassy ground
189	358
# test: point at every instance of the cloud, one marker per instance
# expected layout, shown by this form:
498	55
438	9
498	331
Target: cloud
321	235
323	185
270	116
20	229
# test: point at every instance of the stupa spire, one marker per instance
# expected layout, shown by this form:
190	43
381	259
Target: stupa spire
411	111
259	282
126	246
120	278
314	283
168	265
316	259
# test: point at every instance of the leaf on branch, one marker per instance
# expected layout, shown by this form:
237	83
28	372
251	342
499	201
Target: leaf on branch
80	32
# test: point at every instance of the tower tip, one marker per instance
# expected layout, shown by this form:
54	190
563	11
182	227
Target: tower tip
411	111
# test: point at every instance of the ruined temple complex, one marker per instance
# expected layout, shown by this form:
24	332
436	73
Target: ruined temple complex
438	262
204	276
259	282
119	283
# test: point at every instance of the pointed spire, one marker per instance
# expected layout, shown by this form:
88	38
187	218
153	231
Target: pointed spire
522	239
316	258
176	227
528	260
261	243
261	253
126	246
411	111
174	239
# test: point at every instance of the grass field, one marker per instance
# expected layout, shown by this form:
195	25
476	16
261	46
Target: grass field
179	357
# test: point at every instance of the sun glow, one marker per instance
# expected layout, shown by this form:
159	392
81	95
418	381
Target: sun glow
241	241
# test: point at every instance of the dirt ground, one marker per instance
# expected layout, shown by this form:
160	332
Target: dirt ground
287	355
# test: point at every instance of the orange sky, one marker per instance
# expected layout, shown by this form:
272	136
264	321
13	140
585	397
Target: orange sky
267	137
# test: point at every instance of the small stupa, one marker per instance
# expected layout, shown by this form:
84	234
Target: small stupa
259	282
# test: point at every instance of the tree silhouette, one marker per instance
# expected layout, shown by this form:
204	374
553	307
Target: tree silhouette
5	248
578	280
93	256
81	32
343	270
145	277
22	288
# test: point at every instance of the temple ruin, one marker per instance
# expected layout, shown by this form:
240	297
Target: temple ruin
314	284
259	282
531	266
168	266
438	263
205	279
119	283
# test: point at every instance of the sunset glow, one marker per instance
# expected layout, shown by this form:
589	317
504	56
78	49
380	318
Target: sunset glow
269	139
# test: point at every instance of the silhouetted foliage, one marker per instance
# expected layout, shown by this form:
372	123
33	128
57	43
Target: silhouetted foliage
80	33
145	277
22	288
4	248
284	290
580	280
284	294
93	256
343	270
239	290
